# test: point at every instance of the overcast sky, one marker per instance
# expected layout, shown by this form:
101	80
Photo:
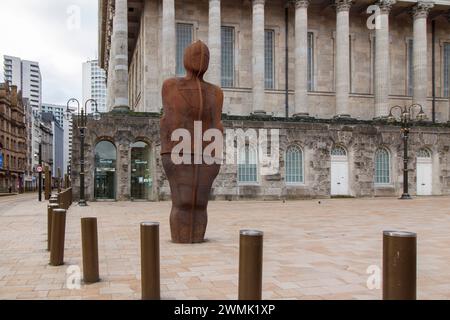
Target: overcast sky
59	34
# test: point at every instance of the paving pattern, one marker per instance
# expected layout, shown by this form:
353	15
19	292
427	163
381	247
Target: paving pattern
312	250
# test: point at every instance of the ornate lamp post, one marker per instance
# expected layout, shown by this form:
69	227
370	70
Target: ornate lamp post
406	118
81	124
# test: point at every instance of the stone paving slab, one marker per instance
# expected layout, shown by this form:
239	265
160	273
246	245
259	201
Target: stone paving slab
312	250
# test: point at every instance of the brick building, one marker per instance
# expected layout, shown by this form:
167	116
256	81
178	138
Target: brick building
13	142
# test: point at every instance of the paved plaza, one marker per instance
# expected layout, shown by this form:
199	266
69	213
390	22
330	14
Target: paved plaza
312	249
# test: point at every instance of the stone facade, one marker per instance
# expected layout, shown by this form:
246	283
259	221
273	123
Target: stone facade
152	55
358	73
316	138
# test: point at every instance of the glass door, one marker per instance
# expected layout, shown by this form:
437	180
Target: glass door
141	179
105	171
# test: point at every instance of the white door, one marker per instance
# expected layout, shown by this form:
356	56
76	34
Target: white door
424	177
339	178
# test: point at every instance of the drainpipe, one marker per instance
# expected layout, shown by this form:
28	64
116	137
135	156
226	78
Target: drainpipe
433	46
286	71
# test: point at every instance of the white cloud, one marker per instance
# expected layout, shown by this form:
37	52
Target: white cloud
48	31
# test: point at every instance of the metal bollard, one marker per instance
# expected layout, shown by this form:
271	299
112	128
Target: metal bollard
50	209
58	237
250	264
150	264
399	265
89	237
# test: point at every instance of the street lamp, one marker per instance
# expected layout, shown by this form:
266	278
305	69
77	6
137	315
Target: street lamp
37	118
39	156
406	118
81	124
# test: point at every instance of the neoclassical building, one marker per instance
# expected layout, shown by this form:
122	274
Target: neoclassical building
319	58
325	73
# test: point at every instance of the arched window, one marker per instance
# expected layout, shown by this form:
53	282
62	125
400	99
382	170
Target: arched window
294	165
247	165
424	153
382	167
338	151
105	170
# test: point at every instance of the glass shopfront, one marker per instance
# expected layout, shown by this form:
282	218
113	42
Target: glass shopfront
105	171
141	179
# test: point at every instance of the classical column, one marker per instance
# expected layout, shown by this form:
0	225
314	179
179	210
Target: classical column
109	48
110	83
420	13
120	51
342	57
301	58
168	39
382	65
258	57
214	43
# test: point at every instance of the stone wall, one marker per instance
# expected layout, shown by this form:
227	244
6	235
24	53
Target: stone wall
316	139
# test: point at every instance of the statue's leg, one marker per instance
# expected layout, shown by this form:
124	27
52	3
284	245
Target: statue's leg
206	176
190	187
180	179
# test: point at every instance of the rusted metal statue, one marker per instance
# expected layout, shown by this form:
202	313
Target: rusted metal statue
187	102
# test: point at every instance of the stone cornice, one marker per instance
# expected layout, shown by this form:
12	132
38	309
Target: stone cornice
422	9
302	3
255	2
343	5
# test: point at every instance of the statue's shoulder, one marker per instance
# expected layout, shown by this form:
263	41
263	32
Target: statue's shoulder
170	83
216	89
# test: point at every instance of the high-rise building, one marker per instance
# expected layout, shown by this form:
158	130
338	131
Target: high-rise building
26	75
57	151
94	86
65	124
57	110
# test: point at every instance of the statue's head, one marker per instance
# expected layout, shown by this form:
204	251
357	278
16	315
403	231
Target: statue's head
196	59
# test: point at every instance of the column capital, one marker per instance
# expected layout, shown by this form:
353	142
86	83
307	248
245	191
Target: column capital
214	0
385	5
422	9
302	3
343	5
255	2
